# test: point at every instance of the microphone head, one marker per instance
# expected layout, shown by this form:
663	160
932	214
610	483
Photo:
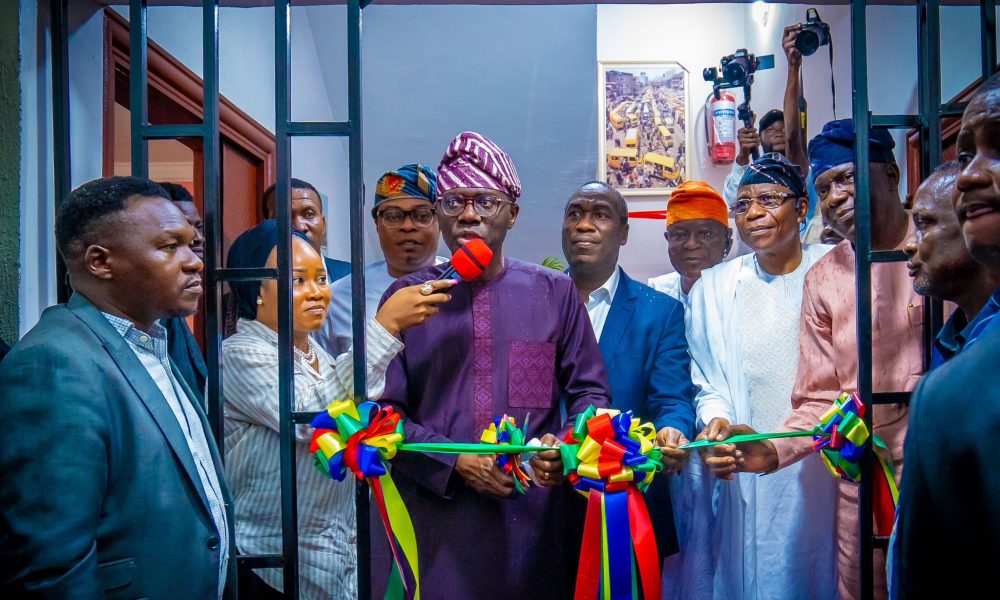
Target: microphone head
471	259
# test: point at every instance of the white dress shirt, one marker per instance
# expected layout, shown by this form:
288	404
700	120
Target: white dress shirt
599	303
327	524
670	284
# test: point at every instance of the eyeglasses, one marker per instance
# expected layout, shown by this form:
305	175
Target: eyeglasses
485	205
768	201
393	218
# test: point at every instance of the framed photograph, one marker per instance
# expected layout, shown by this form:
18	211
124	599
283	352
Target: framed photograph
643	124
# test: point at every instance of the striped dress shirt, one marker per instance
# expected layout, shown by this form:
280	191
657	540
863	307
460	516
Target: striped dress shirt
151	350
327	525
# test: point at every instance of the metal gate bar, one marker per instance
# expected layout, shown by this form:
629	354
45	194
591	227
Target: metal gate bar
59	37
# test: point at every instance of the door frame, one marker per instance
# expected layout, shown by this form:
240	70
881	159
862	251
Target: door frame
185	90
949	135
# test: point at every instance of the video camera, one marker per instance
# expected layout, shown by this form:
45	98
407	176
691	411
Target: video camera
737	70
812	34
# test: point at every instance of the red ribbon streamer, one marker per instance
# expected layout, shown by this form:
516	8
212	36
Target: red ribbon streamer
376	486
659	215
647	555
882	504
588	573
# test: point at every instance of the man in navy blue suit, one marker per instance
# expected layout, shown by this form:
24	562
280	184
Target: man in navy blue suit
640	332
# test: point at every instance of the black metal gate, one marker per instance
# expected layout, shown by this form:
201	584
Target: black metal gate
928	122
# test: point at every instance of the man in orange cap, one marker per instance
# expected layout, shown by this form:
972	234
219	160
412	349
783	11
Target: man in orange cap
698	237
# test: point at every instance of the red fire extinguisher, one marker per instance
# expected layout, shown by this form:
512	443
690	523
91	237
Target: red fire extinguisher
720	128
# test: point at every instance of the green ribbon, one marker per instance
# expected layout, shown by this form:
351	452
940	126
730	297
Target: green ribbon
746	437
462	448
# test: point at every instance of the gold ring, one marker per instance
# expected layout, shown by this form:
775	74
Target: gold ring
427	289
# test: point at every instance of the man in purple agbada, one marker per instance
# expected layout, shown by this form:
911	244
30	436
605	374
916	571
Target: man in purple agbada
517	341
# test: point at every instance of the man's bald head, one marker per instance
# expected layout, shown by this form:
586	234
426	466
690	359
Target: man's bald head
595	227
600	189
939	185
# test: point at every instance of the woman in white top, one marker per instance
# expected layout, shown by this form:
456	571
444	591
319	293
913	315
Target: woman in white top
773	535
327	538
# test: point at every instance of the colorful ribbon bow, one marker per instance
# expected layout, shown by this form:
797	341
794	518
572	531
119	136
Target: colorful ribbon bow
355	439
840	438
610	458
503	431
360	440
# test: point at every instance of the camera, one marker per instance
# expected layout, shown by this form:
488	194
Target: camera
812	34
737	69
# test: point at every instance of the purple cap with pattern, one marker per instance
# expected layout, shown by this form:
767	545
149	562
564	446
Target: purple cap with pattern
473	161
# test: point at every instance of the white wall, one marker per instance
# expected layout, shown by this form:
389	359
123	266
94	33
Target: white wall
247	76
698	35
37	253
960	63
419	92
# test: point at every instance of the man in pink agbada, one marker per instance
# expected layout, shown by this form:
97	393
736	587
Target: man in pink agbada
828	351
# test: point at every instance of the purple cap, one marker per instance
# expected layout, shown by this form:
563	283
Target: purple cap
473	161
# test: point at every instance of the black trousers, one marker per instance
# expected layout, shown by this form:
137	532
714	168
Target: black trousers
253	587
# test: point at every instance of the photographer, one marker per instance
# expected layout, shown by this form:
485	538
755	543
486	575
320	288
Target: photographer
795	137
771	137
795	146
781	132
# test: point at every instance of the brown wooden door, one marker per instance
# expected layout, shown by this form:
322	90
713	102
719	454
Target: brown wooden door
241	179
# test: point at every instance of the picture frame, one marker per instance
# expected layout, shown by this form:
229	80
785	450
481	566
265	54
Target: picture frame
643	126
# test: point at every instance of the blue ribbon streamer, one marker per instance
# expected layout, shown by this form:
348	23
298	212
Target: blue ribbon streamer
619	545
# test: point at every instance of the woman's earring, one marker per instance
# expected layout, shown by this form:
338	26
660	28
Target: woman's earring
260	301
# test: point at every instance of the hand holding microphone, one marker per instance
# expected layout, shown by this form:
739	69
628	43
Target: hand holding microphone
467	263
415	304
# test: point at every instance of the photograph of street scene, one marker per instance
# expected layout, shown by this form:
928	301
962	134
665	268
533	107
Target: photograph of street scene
644	127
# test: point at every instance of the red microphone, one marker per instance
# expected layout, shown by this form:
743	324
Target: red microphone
469	261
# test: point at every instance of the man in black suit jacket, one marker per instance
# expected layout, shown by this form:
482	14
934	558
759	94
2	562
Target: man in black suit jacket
307	217
111	484
948	533
182	346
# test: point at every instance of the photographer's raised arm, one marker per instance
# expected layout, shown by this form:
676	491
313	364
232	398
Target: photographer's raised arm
795	147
